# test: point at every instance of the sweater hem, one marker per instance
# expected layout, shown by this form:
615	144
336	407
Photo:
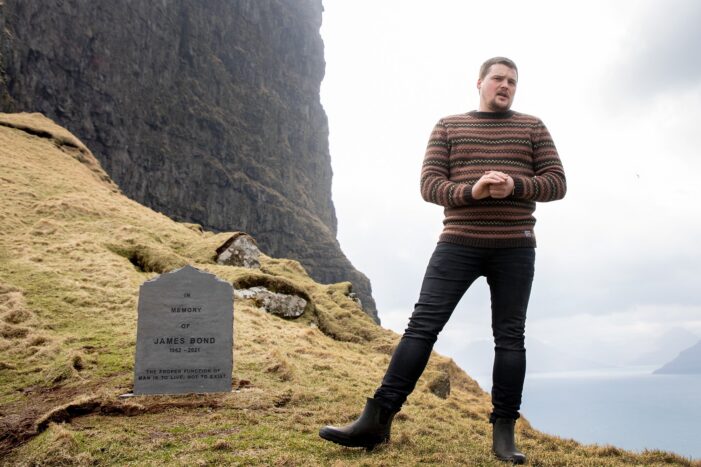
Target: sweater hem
488	242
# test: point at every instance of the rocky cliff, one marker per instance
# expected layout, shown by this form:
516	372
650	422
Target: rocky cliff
206	111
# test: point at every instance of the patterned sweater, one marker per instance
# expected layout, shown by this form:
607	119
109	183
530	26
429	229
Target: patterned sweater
462	147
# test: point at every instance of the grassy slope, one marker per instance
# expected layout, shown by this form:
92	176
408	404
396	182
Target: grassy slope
73	253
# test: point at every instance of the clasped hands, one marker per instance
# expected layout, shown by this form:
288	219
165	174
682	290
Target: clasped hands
493	184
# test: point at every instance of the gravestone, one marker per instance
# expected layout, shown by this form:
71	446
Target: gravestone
184	337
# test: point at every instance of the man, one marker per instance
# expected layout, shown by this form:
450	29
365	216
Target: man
487	168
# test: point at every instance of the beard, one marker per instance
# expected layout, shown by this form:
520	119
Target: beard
496	105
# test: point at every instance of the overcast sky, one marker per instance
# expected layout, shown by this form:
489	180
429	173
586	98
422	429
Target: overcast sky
619	86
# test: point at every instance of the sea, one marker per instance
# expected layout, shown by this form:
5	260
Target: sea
630	408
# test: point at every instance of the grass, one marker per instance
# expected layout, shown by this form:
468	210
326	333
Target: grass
73	254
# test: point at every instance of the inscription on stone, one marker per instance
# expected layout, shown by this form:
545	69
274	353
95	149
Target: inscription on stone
184	337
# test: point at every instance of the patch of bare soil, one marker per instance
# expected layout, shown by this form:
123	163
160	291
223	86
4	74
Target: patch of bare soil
27	418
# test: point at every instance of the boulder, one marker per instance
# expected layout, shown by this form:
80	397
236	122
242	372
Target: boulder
283	305
239	250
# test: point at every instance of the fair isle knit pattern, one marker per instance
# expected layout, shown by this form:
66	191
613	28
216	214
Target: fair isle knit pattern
462	148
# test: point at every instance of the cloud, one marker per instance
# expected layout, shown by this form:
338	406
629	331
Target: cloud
634	335
626	235
661	52
619	336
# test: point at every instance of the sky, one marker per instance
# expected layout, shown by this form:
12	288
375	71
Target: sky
618	84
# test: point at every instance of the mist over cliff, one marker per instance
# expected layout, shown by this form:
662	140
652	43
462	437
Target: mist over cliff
208	112
687	362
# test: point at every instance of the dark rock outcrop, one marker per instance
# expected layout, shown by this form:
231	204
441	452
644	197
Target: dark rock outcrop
206	111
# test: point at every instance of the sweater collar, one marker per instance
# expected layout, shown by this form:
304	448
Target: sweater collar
494	115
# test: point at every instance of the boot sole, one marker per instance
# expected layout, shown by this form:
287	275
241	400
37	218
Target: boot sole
332	436
511	459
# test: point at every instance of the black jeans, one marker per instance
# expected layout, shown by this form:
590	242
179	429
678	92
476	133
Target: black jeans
450	272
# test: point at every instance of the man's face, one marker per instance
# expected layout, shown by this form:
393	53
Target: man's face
497	89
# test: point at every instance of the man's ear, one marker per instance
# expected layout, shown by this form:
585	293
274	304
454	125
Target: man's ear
479	84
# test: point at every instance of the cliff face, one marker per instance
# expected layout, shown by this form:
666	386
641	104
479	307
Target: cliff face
206	111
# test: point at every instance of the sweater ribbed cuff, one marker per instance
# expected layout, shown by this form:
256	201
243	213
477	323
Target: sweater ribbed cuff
518	187
467	194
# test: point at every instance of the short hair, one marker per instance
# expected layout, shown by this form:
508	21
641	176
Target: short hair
484	69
